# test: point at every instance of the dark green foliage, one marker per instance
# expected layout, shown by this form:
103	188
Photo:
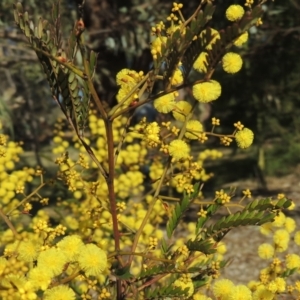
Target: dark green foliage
168	290
158	270
256	213
179	210
211	210
204	246
64	79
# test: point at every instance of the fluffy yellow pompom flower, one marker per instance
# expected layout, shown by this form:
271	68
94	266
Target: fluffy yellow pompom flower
127	76
70	245
222	288
265	251
201	62
193	128
232	62
240	292
242	39
297	238
28	251
53	259
292	261
290	224
234	12
207	91
40	277
179	149
244	138
215	35
177	77
185	285
181	110
92	260
60	292
165	103
281	239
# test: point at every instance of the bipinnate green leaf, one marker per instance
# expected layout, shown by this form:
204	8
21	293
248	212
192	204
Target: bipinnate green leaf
58	66
167	290
210	211
229	35
173	53
201	245
179	210
288	272
256	213
124	273
158	269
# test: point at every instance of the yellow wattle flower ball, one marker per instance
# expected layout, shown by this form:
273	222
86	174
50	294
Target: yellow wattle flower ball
244	138
177	77
265	251
234	12
165	104
181	110
292	261
193	128
60	292
201	63
222	288
40	277
207	91
240	292
92	260
242	39
179	149
232	62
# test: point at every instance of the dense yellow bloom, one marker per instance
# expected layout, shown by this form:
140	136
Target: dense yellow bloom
279	220
165	103
193	128
28	251
292	261
289	224
185	282
181	110
244	138
156	44
70	245
232	62
234	12
207	91
240	292
281	239
200	63
40	277
297	238
177	77
53	259
277	285
126	76
179	149
92	260
281	235
265	251
242	39
262	293
184	285
151	134
61	292
222	288
215	35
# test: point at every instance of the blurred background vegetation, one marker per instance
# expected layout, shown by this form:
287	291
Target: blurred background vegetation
265	95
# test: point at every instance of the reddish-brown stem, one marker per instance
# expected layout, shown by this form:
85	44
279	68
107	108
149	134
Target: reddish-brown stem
112	196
